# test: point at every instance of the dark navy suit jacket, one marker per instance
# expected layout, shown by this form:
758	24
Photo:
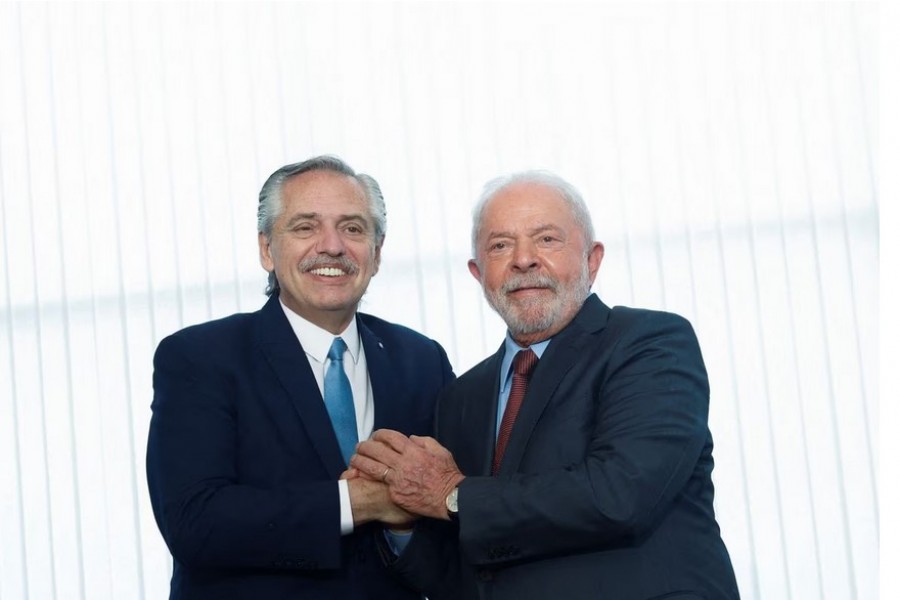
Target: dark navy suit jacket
242	460
604	492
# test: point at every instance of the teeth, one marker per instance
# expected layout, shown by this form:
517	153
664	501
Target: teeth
328	272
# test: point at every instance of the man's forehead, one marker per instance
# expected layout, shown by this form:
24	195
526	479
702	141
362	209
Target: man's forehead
529	206
527	195
332	194
322	184
532	189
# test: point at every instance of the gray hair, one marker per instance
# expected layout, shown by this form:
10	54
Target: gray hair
270	201
568	192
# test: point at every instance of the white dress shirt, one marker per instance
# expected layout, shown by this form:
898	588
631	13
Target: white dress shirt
316	342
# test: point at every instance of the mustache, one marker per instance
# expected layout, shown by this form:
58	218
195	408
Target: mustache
529	280
318	262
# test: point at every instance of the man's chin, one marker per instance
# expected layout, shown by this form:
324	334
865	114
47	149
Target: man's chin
532	307
526	322
334	299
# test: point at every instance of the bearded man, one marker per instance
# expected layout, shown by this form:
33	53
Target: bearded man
575	462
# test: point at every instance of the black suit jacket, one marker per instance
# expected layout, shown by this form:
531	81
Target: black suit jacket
604	491
242	460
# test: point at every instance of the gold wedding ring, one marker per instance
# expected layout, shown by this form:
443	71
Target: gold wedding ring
384	475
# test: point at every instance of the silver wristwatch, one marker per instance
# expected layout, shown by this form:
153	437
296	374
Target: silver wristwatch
452	502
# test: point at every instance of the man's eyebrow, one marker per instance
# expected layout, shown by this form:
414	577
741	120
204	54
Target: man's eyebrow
353	217
301	217
544	228
533	231
317	217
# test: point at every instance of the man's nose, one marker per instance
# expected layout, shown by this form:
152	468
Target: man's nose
330	242
524	257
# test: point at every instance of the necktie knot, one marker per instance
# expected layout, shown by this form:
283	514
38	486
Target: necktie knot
336	352
524	362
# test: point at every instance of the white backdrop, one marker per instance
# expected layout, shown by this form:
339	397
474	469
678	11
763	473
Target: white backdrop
727	152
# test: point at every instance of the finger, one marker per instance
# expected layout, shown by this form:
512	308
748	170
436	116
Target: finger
350	473
384	474
394	439
367	477
378	451
372	469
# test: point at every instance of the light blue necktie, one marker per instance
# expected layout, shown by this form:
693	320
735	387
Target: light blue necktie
339	400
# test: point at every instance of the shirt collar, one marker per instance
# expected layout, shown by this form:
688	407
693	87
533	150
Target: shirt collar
511	349
316	341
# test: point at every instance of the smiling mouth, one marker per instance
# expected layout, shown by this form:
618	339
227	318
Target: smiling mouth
328	271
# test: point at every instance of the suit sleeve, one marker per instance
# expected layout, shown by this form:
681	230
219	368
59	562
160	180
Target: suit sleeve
645	441
208	518
430	562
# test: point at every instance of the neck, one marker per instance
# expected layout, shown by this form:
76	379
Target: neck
526	340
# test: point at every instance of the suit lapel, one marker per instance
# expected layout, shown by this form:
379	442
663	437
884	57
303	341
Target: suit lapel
480	410
382	377
565	350
285	355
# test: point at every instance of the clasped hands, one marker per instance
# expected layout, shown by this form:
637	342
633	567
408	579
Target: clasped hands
419	473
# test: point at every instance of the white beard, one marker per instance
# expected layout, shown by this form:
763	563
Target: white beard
529	316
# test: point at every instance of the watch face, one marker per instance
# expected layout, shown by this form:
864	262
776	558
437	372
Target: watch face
452	501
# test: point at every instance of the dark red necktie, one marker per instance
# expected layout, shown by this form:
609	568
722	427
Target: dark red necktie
523	364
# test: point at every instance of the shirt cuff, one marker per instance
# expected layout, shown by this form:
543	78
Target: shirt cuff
346	509
397	541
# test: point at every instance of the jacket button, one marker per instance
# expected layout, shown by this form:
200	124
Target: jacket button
484	575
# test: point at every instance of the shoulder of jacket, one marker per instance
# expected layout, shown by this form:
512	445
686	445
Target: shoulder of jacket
627	314
386	329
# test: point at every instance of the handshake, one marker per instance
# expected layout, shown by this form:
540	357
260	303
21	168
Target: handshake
397	479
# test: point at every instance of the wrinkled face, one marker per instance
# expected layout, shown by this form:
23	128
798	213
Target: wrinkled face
322	248
533	262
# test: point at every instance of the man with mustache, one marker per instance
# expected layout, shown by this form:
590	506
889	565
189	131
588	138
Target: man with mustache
575	462
256	415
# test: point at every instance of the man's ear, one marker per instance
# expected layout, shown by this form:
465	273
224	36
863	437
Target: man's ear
595	257
378	256
474	270
265	253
